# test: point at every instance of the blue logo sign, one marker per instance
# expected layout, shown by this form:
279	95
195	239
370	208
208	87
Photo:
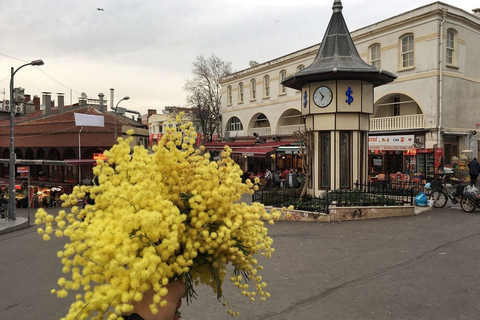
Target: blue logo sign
349	99
305	99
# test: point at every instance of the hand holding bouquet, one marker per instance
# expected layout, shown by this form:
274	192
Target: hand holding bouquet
158	217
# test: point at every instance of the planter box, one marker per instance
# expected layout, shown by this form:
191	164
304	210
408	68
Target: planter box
347	213
360	213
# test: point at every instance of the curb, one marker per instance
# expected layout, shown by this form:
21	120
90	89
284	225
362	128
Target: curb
13	225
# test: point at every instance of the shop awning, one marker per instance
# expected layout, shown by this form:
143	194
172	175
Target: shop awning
289	150
258	152
455	132
219	146
397	142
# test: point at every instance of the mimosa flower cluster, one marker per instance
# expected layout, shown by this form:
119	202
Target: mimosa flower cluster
158	217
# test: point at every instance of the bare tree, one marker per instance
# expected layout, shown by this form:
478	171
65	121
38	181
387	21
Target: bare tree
305	140
205	94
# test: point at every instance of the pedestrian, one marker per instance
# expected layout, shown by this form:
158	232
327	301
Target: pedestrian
277	181
292	179
473	171
268	179
3	206
245	176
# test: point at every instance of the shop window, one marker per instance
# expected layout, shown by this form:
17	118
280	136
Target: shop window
325	153
345	156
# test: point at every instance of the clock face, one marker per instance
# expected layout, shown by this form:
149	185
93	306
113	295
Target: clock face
322	96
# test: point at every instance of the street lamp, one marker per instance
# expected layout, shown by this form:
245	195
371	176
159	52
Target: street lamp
11	176
116	114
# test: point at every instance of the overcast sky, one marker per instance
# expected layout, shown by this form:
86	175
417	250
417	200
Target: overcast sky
145	48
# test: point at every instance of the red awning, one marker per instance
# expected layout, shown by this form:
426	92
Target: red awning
219	146
253	152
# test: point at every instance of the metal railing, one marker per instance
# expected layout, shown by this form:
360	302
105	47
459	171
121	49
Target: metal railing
380	193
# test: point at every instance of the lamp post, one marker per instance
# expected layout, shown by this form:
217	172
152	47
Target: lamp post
11	176
116	114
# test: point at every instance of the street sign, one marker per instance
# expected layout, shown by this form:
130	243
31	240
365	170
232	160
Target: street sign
22	169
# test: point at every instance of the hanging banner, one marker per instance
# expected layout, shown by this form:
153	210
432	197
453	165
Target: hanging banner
399	142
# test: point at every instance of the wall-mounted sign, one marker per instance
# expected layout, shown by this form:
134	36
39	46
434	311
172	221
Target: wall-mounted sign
398	142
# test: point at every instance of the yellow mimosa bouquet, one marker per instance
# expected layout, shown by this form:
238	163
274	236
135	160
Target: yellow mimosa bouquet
158	217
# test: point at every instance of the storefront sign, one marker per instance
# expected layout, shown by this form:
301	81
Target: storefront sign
400	142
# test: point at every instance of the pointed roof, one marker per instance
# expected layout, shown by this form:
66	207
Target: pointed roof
338	58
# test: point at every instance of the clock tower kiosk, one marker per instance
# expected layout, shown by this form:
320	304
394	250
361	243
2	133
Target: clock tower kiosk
337	101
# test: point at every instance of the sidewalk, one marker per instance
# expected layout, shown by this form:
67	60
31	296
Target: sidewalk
22	220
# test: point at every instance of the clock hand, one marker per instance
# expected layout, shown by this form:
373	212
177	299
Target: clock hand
321	95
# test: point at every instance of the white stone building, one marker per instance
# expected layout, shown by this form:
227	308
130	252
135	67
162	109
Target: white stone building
433	52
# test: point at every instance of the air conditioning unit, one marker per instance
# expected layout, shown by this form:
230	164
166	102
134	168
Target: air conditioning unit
20	109
5	106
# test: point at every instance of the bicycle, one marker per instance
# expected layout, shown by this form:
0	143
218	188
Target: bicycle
439	194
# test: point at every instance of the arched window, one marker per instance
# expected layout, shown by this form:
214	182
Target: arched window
235	124
261	121
229	95
374	55
282	76
300	67
452	45
240	92
407	51
266	86
253	89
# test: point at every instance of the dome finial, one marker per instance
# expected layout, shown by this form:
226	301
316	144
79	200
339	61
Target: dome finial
337	6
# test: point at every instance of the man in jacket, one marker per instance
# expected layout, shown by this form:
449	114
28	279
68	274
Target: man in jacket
473	171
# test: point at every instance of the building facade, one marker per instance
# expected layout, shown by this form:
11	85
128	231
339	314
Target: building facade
57	150
429	112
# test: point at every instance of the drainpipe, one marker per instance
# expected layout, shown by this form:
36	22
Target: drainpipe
440	81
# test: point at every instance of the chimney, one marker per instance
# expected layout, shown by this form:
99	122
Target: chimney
61	102
476	12
102	107
47	103
111	98
36	102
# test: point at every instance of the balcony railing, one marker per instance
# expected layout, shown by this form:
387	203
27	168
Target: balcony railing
416	121
260	131
288	130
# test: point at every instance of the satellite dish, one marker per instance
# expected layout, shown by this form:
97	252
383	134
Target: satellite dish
83	95
42	107
253	63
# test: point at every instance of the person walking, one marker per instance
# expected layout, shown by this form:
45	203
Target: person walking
268	179
277	181
292	179
473	171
